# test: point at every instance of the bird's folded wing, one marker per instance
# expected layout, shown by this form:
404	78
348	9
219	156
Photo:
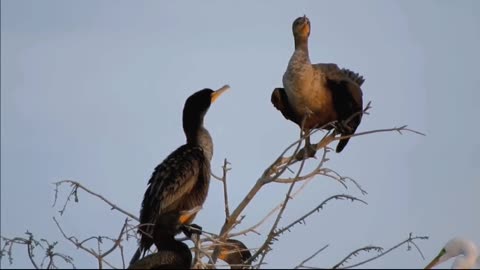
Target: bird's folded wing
174	178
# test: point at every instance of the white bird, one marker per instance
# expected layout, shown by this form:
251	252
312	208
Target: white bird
458	246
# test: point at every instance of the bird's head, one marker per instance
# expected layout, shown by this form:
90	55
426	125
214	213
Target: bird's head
235	253
194	111
454	247
301	27
200	101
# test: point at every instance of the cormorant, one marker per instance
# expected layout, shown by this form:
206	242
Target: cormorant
180	183
235	253
318	94
171	253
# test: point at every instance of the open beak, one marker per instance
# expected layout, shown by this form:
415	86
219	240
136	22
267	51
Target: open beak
220	91
436	260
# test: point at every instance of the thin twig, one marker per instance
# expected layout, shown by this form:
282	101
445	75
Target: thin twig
30	254
224	181
409	240
116	242
316	209
262	251
73	240
229	223
275	209
310	257
113	206
356	252
31	243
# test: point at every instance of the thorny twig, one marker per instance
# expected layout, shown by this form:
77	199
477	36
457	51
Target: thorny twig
99	255
263	250
232	220
317	209
302	264
275	209
270	175
76	185
282	163
409	240
31	243
356	253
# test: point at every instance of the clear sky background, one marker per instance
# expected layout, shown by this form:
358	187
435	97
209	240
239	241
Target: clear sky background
93	91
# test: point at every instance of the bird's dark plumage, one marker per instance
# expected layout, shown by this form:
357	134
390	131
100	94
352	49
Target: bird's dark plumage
180	183
315	95
174	255
171	253
235	253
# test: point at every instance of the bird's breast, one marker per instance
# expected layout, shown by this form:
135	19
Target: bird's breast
306	92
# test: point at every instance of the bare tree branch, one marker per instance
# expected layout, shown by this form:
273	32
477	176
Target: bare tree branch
275	209
356	253
293	158
224	181
302	264
410	239
31	243
263	250
77	185
99	255
317	209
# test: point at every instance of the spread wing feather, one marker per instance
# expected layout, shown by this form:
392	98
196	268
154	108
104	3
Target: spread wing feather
347	98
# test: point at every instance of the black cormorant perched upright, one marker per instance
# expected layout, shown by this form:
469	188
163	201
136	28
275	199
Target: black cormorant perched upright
180	183
318	94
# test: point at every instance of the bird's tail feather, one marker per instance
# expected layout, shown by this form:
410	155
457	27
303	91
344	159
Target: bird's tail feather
357	78
136	256
341	144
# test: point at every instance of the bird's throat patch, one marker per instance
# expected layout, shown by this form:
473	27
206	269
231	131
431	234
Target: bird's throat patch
186	218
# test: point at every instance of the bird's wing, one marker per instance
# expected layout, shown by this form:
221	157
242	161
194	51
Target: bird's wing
171	180
344	83
279	100
347	96
332	71
347	100
328	68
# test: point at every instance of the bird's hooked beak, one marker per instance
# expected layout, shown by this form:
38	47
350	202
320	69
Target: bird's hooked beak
436	260
220	91
305	19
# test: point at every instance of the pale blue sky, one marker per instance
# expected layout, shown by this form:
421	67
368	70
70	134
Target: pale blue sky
93	91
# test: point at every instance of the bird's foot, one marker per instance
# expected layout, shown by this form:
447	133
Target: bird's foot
191	229
308	151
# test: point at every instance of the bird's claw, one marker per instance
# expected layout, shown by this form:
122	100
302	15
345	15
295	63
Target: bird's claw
191	229
307	152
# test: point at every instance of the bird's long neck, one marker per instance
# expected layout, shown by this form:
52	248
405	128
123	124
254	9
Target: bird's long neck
300	58
172	253
196	133
469	258
301	44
